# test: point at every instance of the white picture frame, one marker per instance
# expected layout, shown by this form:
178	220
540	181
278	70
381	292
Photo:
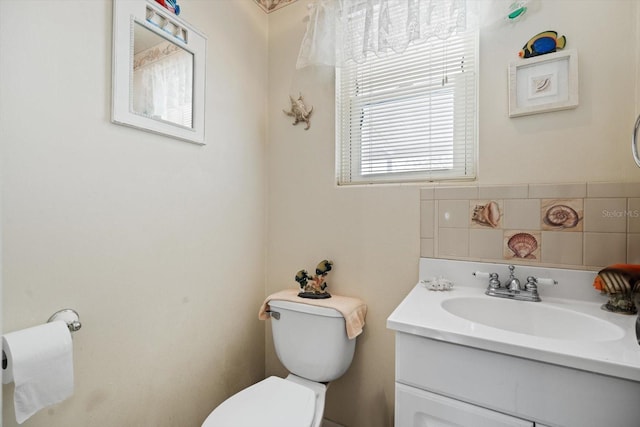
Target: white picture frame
544	83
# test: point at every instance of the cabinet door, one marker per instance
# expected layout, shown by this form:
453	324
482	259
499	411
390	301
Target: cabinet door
419	408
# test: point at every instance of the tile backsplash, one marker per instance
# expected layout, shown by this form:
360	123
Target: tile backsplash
586	226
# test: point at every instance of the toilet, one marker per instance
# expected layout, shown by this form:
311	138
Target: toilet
312	343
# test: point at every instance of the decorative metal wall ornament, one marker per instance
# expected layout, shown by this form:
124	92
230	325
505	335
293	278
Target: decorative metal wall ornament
299	111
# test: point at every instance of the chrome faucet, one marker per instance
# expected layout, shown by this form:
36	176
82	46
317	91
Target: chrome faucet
512	288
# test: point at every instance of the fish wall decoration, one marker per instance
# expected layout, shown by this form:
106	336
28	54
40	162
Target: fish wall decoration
540	44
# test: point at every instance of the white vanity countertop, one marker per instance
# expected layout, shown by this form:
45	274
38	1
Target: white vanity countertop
421	313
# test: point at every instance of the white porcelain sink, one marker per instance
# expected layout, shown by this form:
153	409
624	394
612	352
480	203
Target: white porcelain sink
567	328
532	318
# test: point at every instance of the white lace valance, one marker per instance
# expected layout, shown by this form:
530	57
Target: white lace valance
342	30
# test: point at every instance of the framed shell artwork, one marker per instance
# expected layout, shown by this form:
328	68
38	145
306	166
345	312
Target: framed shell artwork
544	83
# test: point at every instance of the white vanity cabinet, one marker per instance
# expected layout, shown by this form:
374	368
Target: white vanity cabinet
467	359
435	388
419	408
444	384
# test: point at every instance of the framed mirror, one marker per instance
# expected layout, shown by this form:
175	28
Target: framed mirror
158	71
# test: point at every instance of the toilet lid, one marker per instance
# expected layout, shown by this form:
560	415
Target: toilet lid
273	402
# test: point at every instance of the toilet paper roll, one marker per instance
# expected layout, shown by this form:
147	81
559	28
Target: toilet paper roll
40	363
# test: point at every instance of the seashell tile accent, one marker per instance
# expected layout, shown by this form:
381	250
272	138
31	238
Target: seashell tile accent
486	214
562	214
568	225
522	245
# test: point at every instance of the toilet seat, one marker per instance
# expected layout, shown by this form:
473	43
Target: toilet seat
273	402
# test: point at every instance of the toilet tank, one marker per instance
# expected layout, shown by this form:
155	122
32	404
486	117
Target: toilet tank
311	341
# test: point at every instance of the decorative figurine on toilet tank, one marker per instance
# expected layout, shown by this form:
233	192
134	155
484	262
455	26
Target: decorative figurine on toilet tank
314	287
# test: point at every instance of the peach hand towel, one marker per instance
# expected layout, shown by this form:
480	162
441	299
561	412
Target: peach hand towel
354	310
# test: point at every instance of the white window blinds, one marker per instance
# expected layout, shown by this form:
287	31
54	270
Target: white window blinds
410	116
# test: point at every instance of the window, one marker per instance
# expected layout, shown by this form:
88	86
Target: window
410	116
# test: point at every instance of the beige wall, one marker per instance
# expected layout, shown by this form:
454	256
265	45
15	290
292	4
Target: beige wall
590	143
157	243
164	258
372	234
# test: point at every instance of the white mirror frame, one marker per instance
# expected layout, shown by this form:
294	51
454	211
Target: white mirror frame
125	14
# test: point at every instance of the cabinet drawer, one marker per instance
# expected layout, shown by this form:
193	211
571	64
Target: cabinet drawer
547	394
419	408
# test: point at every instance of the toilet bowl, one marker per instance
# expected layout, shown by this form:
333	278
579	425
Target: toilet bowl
311	342
273	402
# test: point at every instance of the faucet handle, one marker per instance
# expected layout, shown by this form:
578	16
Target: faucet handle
482	274
532	284
546	281
494	282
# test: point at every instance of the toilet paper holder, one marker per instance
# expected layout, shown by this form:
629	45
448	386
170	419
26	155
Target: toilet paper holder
67	315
